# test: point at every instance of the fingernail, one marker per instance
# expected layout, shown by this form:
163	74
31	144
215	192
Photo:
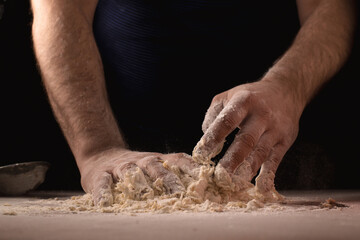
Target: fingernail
203	154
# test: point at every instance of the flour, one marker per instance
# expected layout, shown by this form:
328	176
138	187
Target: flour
202	194
205	189
10	213
331	203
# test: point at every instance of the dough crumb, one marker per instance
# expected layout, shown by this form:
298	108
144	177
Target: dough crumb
331	203
10	213
206	189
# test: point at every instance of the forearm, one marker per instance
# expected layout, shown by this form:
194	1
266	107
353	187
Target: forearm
319	50
72	73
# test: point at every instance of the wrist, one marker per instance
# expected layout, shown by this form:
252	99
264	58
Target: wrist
290	84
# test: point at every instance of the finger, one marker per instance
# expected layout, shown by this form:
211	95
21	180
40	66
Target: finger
265	179
229	182
102	194
213	139
181	163
244	143
213	111
153	167
119	172
132	181
250	166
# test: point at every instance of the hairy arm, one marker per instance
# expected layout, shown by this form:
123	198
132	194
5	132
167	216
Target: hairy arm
73	76
268	111
72	73
320	48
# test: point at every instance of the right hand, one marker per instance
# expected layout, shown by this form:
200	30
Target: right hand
101	171
267	114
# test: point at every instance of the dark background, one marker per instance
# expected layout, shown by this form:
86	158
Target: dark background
324	156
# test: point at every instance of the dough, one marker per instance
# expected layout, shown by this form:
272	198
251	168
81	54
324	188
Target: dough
208	188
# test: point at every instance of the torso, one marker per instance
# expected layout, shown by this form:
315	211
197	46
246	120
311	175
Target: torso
166	59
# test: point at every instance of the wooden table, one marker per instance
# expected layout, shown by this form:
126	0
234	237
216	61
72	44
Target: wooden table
304	220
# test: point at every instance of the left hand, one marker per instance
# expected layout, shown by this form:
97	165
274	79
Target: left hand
267	114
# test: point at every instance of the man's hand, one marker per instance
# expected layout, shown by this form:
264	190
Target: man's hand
268	111
73	76
267	115
102	170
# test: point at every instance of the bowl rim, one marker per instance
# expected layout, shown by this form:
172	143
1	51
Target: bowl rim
25	163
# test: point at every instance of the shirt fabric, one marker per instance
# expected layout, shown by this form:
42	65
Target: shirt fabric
165	60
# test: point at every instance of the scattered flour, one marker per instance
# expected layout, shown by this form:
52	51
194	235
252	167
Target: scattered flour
206	189
331	203
211	190
10	213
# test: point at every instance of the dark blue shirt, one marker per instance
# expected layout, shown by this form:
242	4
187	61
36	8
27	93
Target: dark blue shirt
165	59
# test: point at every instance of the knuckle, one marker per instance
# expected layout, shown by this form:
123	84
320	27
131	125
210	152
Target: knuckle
217	98
247	139
232	159
245	97
267	114
228	121
151	165
230	164
261	152
126	166
150	160
275	160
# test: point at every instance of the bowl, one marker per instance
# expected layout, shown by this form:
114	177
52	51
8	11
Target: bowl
19	178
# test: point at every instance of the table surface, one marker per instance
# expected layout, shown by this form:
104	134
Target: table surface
303	219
